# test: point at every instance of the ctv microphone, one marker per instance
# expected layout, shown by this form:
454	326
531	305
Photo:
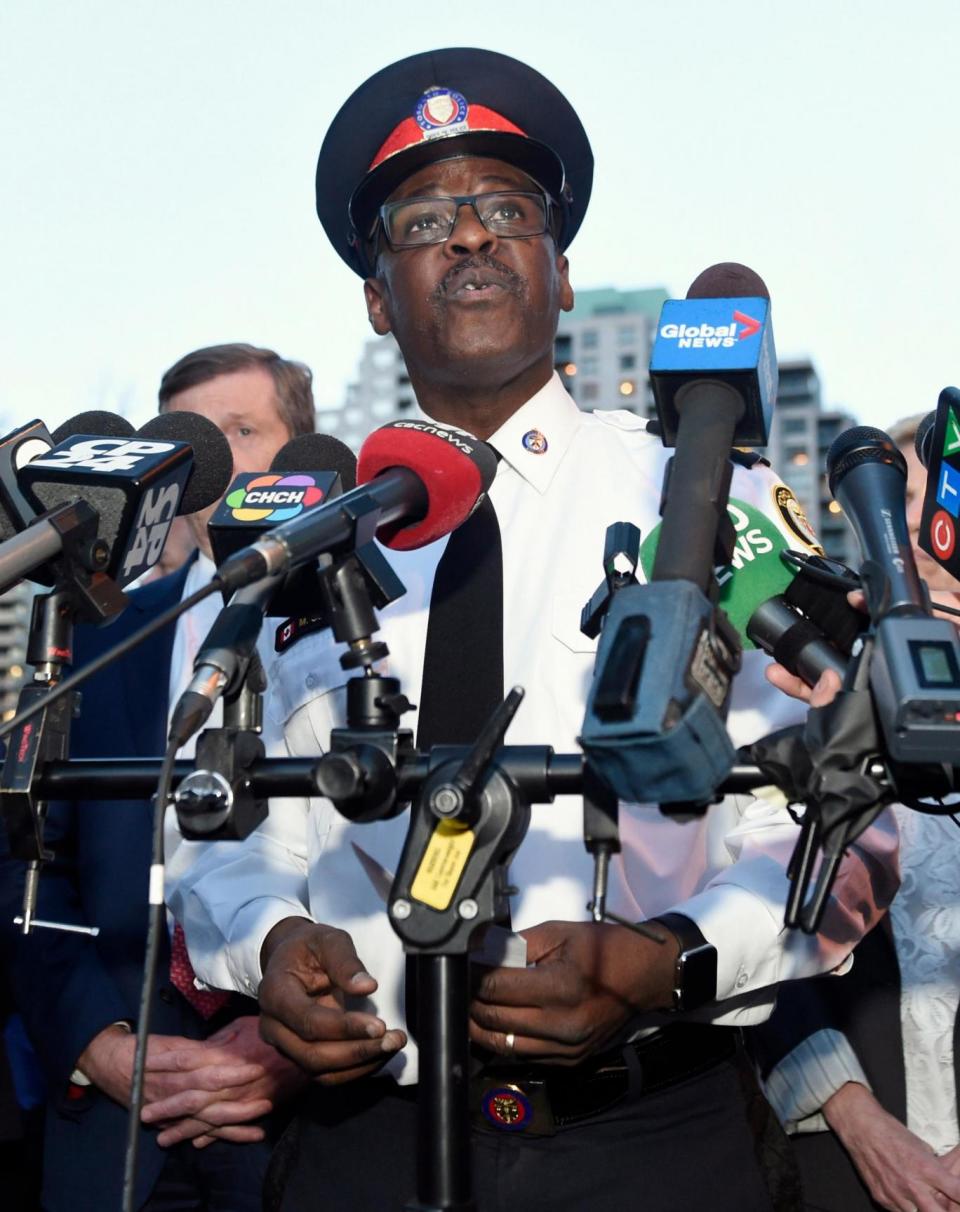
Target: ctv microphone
938	449
417	481
915	664
654	725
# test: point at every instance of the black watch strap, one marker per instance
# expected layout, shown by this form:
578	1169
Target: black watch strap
695	972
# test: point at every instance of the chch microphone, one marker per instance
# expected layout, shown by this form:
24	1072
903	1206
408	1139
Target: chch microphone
308	471
417	481
654	727
117	496
938	449
915	665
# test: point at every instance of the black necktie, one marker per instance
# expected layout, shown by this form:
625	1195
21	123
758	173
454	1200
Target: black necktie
463	657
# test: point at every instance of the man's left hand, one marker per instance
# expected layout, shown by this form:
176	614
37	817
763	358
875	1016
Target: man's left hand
587	980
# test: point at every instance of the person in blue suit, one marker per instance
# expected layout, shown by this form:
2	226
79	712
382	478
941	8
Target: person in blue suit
210	1079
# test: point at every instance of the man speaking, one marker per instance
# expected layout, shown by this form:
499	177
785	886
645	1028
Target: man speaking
452	182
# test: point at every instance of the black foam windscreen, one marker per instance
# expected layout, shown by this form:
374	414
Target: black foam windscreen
318	452
212	468
728	280
923	439
97	423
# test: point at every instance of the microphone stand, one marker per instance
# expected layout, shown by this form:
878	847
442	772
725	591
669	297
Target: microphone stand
82	591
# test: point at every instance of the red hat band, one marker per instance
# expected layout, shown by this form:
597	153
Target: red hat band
441	113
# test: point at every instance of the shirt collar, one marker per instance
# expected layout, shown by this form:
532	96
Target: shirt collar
548	422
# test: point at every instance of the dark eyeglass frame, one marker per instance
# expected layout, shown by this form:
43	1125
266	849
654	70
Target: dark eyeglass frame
549	209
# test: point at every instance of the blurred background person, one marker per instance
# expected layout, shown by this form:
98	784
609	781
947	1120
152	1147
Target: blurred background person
862	1070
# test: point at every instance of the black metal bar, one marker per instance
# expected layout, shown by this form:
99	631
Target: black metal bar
136	778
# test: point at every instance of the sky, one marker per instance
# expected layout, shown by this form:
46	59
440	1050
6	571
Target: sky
156	188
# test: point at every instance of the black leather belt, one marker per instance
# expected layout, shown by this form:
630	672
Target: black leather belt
538	1099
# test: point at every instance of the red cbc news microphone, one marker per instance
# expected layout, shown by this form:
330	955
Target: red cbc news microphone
416	482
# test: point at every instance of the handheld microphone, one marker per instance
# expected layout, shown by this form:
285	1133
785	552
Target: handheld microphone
938	449
417	481
654	725
867	476
915	666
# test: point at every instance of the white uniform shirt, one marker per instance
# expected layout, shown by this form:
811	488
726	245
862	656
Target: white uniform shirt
725	870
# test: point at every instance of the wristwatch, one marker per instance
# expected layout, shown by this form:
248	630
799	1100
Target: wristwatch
695	972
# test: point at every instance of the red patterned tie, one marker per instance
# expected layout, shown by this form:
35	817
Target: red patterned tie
206	1002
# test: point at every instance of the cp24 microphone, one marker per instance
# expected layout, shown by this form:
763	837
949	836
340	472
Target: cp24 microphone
915	665
654	726
417	481
938	449
124	490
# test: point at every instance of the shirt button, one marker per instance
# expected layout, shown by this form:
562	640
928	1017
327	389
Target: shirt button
310	681
742	980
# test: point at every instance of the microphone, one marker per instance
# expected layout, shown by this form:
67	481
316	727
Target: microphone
938	449
305	473
417	481
17	449
803	621
95	420
223	657
915	663
654	724
309	470
212	464
131	487
867	476
719	335
254	502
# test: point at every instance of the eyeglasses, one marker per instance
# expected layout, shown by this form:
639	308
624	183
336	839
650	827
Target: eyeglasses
415	221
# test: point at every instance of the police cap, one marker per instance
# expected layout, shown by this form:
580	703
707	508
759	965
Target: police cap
437	105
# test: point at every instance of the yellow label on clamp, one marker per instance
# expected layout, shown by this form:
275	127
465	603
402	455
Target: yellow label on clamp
444	859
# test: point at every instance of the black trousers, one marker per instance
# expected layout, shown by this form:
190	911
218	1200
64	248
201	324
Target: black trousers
685	1148
830	1179
223	1177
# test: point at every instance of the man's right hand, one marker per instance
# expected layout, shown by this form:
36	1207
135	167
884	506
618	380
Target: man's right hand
174	1064
308	972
